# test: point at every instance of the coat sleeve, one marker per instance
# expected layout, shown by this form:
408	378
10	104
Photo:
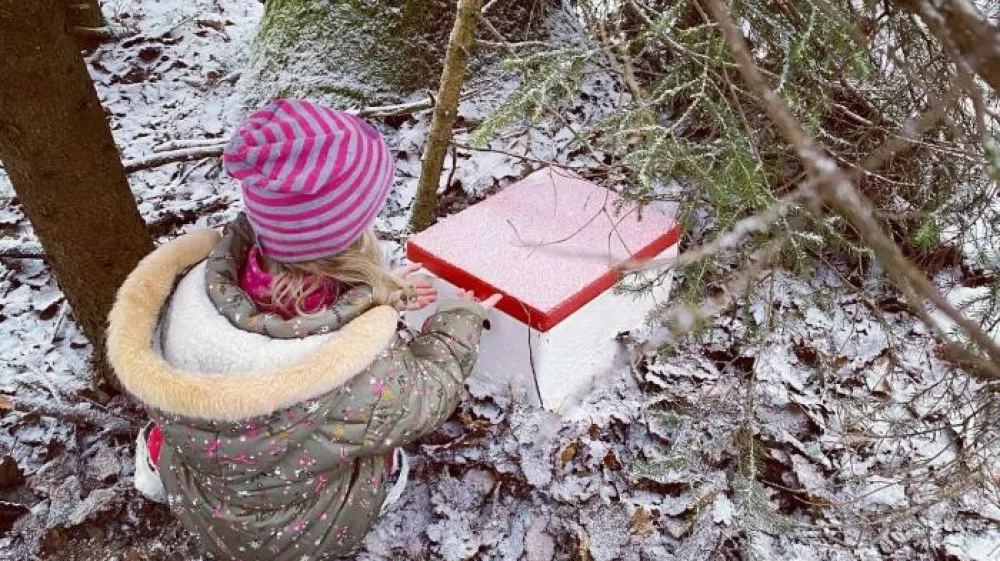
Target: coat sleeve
419	386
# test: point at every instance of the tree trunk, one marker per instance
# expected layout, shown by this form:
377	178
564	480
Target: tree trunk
347	51
425	205
61	158
367	52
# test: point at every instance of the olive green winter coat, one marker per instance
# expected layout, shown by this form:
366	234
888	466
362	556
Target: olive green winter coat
277	433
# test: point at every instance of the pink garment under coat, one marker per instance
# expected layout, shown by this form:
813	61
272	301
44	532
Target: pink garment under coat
256	282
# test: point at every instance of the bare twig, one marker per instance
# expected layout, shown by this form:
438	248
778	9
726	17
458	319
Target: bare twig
758	223
184	144
503	45
173	156
63	311
78	415
684	317
397	110
22	253
189	150
489	5
106	33
468	148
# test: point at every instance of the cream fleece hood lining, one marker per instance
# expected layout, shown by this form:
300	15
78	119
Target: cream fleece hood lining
145	373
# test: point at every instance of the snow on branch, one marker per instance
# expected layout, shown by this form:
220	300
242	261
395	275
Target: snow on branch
76	414
959	22
189	150
173	156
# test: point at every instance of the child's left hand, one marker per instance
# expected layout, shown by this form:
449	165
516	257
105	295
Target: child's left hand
425	292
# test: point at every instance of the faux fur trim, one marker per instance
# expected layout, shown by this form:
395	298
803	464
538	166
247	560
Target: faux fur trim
146	374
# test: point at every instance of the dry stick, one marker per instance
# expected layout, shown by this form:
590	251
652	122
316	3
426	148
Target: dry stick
106	33
445	113
397	110
183	155
835	188
552	163
198	149
76	415
21	253
683	318
507	46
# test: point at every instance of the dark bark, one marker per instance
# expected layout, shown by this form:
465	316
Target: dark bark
61	158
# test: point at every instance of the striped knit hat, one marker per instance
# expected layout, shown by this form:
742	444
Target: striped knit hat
312	178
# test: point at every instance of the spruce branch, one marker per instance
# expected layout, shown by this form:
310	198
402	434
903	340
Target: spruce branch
834	187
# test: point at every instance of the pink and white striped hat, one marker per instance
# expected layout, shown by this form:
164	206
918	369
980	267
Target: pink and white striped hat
312	178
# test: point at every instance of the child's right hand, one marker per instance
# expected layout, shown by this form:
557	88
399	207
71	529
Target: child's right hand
489	303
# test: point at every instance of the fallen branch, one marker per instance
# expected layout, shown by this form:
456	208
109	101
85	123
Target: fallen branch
22	253
173	156
172	221
500	46
189	150
489	5
78	415
172	145
397	110
103	34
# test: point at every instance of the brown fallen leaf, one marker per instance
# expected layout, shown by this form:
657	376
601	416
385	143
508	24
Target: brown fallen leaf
568	453
642	522
611	461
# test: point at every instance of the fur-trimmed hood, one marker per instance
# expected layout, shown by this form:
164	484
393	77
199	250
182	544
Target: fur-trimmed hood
225	396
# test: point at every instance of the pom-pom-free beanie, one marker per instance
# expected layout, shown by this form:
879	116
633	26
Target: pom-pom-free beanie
312	178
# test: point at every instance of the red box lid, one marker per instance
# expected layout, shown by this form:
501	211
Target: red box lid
549	243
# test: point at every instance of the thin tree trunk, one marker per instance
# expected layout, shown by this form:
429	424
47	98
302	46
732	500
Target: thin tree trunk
61	158
462	36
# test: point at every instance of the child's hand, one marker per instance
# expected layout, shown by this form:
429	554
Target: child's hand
425	293
489	303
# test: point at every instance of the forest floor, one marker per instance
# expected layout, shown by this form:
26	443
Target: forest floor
777	432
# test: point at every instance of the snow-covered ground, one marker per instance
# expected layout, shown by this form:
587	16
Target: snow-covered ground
777	432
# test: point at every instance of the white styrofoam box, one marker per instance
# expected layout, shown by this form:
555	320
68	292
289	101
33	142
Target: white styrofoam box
549	245
567	359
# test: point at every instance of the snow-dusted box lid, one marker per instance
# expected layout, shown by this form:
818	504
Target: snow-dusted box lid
549	243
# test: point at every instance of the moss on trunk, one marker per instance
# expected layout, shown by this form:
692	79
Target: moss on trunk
348	50
363	51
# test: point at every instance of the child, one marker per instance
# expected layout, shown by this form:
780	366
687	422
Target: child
268	358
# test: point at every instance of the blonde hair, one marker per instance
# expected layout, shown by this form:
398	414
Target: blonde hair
358	265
